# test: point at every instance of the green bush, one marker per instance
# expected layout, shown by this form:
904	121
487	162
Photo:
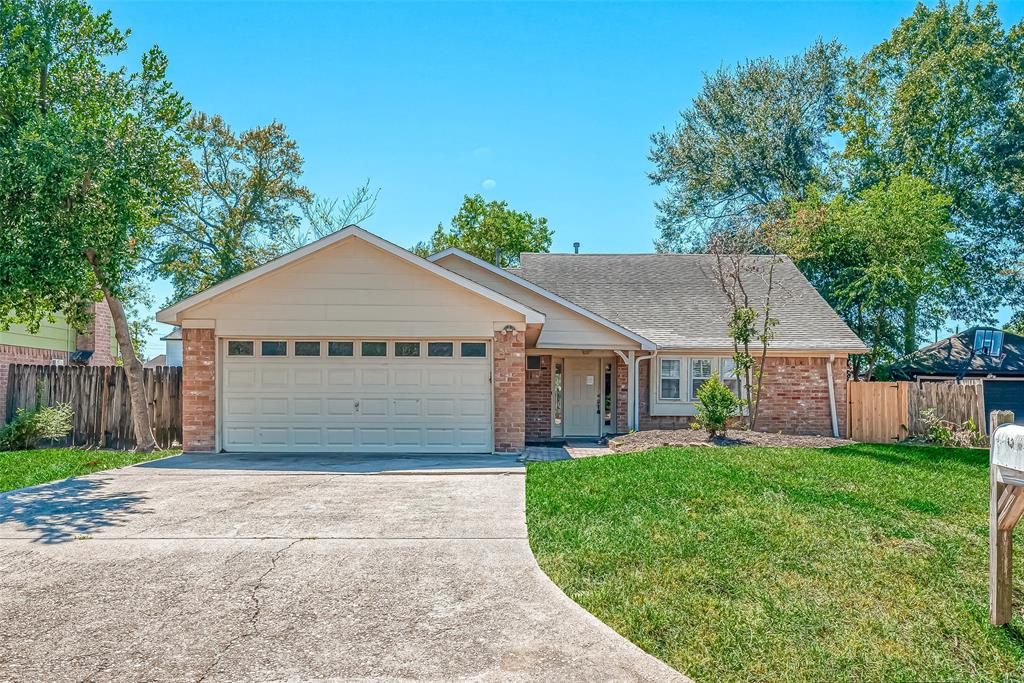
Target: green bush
30	426
715	405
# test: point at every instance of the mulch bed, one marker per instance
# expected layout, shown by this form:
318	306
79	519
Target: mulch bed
655	438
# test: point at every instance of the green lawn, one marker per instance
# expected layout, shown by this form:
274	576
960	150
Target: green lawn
861	563
27	468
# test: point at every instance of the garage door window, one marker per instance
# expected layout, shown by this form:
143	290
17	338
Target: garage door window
240	348
307	348
474	349
407	349
339	348
273	348
440	349
377	349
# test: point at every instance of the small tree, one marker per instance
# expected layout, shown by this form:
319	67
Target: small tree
744	267
715	405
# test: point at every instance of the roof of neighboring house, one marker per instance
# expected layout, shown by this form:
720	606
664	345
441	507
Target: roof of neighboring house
156	361
955	355
173	334
675	301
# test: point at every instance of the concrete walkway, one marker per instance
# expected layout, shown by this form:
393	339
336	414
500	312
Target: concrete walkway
291	568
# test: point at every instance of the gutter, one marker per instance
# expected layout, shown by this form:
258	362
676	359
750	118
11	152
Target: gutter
832	397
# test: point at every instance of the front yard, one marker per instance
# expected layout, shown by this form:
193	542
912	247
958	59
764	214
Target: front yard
19	469
854	563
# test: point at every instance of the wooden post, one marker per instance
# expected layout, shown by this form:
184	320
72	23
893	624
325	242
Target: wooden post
1005	505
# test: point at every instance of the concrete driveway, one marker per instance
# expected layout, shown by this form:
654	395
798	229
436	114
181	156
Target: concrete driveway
291	568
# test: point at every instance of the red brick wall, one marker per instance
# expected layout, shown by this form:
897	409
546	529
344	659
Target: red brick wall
538	401
99	336
509	357
795	396
21	355
198	389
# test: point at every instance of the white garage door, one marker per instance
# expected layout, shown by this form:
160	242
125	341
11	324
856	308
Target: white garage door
344	396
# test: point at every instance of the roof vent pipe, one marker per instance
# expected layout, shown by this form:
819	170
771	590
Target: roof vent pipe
576	247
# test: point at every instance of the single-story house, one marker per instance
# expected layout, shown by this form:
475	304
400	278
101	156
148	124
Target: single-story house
993	356
352	343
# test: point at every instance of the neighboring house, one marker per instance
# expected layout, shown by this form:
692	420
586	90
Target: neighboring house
56	343
993	356
352	343
172	350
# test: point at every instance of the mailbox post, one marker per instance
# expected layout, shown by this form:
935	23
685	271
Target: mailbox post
1005	507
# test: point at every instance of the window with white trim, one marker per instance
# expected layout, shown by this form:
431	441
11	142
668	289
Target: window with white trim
238	347
728	375
671	379
273	348
700	372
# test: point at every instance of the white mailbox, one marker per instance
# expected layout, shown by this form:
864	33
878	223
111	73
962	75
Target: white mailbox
1005	507
1008	447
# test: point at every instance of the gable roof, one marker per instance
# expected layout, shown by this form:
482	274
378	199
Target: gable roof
169	315
511	276
953	355
674	301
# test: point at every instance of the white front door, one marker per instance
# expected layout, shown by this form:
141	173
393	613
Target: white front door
354	403
582	397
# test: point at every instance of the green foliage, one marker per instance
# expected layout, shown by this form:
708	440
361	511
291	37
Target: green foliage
884	259
1016	323
245	206
715	405
942	99
90	159
951	435
753	136
32	425
480	228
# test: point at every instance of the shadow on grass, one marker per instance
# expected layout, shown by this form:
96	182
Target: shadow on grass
60	511
918	456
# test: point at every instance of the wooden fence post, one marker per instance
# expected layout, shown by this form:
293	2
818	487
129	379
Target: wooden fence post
1005	506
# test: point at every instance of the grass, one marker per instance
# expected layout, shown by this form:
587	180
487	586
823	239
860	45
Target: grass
27	468
860	563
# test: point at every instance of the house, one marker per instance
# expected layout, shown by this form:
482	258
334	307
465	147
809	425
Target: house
352	343
56	343
172	351
993	356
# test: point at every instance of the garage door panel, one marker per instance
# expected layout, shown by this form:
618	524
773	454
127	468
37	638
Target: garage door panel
356	404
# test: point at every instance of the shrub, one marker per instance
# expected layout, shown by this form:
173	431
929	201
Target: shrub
30	426
715	405
950	435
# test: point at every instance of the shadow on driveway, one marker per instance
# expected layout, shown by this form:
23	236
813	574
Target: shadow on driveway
333	463
62	510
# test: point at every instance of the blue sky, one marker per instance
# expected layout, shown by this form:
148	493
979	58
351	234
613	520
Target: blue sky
546	105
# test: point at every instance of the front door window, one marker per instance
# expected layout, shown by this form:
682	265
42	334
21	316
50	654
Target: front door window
558	402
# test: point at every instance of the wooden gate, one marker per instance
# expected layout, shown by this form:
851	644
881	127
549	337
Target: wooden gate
99	396
877	411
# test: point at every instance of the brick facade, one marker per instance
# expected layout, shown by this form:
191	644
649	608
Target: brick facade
509	381
795	398
98	339
198	390
538	401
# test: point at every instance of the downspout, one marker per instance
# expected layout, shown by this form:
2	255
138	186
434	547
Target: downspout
636	388
832	397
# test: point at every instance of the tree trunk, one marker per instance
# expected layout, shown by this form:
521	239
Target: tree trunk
145	443
910	328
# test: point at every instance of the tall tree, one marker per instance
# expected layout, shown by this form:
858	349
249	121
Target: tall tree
90	157
943	99
883	259
245	206
490	230
754	136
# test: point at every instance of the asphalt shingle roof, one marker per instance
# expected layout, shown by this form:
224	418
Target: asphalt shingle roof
949	356
674	301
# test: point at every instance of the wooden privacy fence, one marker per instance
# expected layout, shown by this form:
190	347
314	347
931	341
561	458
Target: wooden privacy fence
99	396
885	412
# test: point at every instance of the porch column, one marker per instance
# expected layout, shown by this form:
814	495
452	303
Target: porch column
629	360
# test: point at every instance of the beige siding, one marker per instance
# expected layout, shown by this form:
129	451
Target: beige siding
352	288
563	328
55	336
